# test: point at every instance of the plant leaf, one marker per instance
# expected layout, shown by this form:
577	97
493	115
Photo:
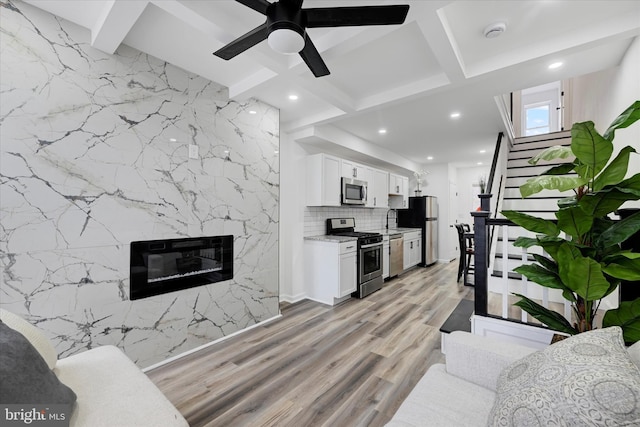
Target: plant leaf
574	221
628	272
526	242
615	171
550	182
619	231
590	147
532	223
547	263
552	153
605	201
627	316
584	276
559	170
625	119
550	318
540	275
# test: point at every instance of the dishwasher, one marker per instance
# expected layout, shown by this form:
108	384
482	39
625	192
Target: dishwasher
396	254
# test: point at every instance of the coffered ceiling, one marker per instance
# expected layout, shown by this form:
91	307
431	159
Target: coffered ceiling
407	79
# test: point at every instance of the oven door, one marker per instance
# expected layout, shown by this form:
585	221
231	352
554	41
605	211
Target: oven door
370	262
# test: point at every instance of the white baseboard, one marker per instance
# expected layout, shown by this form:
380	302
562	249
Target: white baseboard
203	346
292	298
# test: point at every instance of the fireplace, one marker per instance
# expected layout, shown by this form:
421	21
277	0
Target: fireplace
162	266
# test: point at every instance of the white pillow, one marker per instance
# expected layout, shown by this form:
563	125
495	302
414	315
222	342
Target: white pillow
634	352
33	334
585	380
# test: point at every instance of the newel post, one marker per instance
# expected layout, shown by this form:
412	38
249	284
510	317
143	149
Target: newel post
481	254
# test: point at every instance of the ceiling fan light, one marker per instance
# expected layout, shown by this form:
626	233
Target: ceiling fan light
286	40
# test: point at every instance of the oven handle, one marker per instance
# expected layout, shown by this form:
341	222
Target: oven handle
370	246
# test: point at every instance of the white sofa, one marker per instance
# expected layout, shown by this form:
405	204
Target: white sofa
462	391
111	390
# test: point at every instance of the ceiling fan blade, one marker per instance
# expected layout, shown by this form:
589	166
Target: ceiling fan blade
356	16
294	4
257	5
243	43
312	58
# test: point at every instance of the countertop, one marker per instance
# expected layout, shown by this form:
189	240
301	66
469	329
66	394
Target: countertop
342	239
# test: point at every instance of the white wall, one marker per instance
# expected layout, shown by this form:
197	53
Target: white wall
602	96
468	190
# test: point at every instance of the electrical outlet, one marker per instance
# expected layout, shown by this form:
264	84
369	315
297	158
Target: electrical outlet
193	151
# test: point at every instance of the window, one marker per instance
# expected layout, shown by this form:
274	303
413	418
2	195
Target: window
537	118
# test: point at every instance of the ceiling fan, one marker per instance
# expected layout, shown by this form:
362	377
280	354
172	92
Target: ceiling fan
286	24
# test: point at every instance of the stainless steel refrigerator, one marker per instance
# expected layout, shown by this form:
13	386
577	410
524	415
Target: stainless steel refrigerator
423	213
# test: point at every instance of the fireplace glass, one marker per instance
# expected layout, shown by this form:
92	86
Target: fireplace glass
161	266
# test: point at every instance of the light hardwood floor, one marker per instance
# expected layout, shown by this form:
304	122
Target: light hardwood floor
348	365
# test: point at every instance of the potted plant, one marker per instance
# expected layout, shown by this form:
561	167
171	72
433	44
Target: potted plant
586	262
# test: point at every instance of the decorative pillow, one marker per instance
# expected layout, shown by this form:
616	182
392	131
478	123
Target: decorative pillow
634	352
33	334
585	380
26	378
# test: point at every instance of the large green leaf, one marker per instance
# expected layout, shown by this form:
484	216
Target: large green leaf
619	231
526	242
540	275
550	318
532	223
574	221
584	276
550	182
590	147
552	153
627	272
627	316
627	118
559	170
605	201
615	171
547	263
632	183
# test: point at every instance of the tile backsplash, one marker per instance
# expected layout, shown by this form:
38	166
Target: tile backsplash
367	219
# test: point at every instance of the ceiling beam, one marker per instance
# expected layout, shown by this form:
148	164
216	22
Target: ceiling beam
114	23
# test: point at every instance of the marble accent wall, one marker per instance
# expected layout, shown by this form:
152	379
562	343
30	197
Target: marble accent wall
94	155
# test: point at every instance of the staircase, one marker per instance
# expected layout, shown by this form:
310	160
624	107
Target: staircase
506	257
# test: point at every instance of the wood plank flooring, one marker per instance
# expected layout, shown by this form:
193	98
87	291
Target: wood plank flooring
348	365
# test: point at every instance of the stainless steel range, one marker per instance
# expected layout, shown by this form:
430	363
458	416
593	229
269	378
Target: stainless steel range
369	259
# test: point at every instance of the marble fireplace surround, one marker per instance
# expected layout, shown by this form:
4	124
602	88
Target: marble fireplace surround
94	155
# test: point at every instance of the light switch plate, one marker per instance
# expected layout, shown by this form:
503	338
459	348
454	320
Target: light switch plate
193	151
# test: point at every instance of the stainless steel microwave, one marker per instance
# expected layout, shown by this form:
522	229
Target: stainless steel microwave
354	191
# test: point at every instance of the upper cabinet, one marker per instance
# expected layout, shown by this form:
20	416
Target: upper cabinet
398	191
324	184
354	170
378	196
323	180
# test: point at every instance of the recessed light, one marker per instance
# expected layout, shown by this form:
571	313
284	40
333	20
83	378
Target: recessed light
293	97
483	151
555	65
276	152
455	115
172	139
479	163
382	131
430	158
253	112
226	151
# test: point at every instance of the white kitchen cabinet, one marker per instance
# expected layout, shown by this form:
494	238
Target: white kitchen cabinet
412	249
398	191
330	270
378	188
354	170
323	180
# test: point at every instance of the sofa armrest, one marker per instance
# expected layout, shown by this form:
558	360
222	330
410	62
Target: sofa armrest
479	359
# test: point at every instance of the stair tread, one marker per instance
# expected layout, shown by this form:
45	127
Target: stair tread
518	257
511	274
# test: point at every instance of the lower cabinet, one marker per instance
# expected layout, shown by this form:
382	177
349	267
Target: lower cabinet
412	249
330	269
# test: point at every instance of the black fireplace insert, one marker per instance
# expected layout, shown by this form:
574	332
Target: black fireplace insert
161	266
